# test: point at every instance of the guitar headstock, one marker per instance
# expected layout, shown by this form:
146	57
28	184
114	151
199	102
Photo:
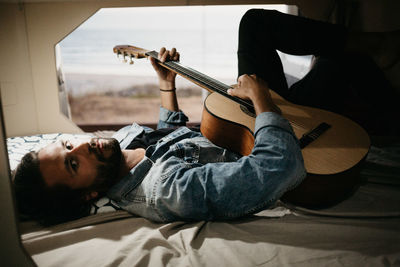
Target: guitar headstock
130	51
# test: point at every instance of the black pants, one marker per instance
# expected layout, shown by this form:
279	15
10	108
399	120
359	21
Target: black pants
347	83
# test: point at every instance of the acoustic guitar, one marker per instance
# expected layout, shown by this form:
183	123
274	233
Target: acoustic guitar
333	146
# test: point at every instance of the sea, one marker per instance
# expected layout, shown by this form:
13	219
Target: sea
91	50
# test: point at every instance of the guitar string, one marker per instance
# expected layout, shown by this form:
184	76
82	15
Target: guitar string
216	85
225	87
204	80
195	74
213	84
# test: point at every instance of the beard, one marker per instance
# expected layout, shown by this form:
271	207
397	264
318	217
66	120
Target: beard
109	166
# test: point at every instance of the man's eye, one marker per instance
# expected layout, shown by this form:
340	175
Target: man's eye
68	145
74	164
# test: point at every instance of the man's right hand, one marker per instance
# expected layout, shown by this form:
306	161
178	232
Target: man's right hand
250	87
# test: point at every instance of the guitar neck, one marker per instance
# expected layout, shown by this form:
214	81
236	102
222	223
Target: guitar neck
201	79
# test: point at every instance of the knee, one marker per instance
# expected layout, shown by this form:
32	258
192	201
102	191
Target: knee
250	17
254	18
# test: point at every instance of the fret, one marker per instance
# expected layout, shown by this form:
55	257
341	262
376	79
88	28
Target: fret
198	76
203	79
209	82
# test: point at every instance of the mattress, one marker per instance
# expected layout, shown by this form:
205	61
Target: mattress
363	230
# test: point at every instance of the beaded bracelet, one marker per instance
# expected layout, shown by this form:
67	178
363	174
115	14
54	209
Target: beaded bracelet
171	90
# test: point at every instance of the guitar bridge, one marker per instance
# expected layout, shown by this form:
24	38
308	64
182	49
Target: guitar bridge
312	135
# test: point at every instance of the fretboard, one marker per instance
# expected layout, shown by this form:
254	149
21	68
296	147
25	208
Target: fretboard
202	79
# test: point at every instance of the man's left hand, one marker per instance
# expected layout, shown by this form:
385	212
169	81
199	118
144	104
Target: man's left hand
166	77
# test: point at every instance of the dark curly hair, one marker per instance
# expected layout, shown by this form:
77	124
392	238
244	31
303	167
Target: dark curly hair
47	205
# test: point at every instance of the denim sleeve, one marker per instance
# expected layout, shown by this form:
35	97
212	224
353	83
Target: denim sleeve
168	118
233	189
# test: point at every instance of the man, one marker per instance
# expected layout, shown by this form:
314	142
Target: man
177	174
173	173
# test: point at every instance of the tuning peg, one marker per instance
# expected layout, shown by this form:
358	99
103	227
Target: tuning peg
124	58
118	54
131	60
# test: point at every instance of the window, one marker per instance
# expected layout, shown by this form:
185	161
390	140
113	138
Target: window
103	90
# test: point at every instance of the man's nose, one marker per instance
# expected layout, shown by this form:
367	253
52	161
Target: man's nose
80	148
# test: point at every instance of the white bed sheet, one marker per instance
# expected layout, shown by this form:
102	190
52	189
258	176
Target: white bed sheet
257	241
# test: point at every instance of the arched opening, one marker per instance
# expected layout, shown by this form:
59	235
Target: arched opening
98	91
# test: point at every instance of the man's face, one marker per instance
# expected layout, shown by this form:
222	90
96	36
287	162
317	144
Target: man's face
76	163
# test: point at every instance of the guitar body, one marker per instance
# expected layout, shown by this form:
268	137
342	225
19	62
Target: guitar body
226	125
332	160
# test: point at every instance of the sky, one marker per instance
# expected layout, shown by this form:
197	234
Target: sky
182	16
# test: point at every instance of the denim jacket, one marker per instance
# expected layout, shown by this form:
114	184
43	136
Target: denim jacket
186	177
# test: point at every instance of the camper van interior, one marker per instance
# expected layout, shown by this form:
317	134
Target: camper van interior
61	78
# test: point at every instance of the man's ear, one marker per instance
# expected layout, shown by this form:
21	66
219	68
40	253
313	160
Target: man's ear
91	195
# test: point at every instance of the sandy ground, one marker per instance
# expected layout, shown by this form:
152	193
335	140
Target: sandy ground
108	99
103	109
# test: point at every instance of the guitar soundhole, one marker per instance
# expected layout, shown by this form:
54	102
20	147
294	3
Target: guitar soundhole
251	113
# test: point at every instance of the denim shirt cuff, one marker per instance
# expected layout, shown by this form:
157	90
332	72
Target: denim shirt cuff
272	119
168	118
